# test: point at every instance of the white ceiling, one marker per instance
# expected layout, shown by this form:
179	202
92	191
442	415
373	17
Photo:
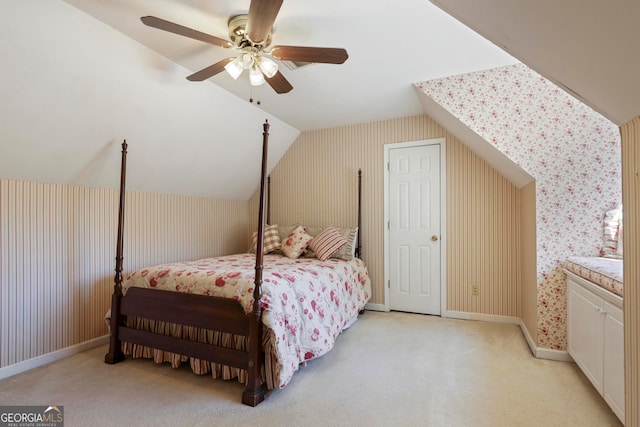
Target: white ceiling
589	47
73	87
391	45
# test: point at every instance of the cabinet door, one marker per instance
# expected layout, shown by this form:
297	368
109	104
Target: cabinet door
614	359
584	327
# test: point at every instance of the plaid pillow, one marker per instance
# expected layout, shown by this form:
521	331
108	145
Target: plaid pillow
327	243
271	239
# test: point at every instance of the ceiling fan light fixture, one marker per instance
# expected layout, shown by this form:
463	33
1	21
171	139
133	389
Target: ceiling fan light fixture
247	60
267	66
234	68
256	78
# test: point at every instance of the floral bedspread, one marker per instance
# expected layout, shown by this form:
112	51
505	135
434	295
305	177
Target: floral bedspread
306	302
604	272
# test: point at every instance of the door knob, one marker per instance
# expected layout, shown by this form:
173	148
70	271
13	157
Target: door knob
434	238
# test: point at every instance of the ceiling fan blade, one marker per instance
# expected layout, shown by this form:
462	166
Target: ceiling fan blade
279	83
172	27
325	55
210	71
262	15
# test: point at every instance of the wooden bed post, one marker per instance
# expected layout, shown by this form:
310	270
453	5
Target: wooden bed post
269	199
255	390
115	353
358	242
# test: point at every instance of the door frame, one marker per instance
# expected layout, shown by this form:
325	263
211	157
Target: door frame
443	223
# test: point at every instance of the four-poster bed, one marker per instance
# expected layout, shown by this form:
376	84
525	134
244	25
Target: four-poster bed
228	317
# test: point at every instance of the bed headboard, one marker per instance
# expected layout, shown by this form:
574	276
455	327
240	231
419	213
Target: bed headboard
358	250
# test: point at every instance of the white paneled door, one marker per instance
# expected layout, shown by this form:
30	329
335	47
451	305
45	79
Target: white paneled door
414	229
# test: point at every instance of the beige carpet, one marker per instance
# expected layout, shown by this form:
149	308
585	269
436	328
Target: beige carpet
389	369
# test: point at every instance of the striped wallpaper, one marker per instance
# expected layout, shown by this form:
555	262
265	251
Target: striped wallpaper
529	272
57	250
315	184
483	232
630	134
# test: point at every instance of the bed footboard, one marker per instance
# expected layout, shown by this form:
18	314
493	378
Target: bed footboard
200	311
212	313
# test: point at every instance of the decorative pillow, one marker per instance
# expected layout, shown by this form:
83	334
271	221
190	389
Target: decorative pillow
285	230
271	239
295	243
611	223
347	252
308	253
313	232
327	243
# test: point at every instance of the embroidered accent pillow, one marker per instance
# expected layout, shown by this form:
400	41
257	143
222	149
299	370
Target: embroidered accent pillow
295	243
327	243
271	239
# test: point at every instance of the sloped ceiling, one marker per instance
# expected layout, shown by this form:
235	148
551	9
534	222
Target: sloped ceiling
390	46
492	155
588	47
79	76
73	88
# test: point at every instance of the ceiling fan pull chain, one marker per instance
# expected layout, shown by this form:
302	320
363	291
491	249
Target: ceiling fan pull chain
251	96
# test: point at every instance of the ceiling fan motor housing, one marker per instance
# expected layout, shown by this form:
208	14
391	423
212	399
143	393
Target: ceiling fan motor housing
237	33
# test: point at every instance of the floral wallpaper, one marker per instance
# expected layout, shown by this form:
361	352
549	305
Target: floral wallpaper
572	152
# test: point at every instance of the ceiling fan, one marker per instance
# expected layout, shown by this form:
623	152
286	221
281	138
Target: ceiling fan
250	35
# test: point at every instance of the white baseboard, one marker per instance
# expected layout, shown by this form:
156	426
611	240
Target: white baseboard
550	354
529	338
482	317
376	307
45	359
544	353
538	352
